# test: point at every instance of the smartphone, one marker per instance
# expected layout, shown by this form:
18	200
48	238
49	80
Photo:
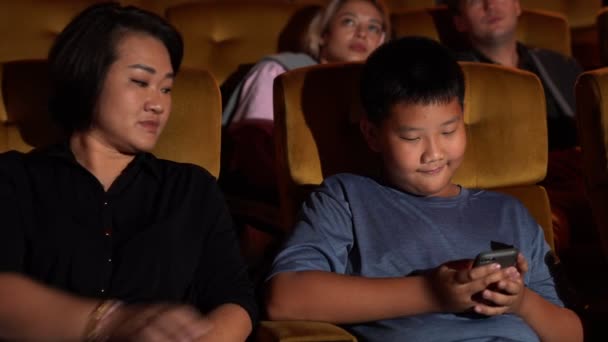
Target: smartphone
505	257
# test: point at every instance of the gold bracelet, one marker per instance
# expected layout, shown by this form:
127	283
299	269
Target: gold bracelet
99	315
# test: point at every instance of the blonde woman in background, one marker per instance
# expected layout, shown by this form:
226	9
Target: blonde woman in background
343	31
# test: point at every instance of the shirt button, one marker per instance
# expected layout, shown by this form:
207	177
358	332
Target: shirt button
110	260
103	290
107	232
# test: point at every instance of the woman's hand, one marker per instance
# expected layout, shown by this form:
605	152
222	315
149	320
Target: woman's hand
159	322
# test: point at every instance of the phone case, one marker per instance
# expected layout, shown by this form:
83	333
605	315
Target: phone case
504	257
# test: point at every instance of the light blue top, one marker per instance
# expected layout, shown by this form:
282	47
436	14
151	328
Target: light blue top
355	225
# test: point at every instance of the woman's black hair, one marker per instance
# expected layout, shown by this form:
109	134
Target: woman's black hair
83	52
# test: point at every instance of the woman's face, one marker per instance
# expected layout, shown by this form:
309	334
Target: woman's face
135	100
353	33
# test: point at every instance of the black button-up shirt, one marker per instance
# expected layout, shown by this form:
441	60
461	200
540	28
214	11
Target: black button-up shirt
161	232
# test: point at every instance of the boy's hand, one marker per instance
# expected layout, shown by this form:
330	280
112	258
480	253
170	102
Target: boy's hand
454	288
508	294
522	264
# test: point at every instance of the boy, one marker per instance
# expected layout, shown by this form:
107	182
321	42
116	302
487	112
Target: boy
377	255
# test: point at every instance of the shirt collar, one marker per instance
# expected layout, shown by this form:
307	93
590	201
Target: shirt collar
62	151
522	53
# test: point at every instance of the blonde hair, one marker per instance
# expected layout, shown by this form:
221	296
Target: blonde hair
320	24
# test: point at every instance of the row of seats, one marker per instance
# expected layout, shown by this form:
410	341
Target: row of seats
536	28
221	35
437	18
579	13
317	110
319	104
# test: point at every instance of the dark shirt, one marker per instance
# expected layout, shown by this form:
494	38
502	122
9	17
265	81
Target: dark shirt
564	71
160	233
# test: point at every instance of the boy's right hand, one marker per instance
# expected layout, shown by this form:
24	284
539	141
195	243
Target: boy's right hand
454	288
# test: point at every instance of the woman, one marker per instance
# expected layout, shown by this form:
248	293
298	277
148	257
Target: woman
101	240
344	31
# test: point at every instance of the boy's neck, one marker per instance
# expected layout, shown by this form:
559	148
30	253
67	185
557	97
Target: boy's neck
451	190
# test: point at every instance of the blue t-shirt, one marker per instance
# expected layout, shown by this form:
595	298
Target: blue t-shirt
355	225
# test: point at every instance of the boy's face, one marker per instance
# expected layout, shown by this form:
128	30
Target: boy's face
422	146
488	22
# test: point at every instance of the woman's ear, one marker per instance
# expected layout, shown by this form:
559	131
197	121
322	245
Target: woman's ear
322	44
322	40
370	133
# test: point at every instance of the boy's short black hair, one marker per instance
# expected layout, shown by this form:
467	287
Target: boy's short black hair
412	70
83	52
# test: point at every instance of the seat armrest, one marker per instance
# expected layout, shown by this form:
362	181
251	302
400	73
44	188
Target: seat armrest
301	331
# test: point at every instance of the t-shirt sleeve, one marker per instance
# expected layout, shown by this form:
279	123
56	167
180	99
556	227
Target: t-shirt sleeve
322	237
12	242
255	99
222	274
539	268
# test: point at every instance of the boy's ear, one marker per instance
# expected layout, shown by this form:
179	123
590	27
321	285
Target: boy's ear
370	133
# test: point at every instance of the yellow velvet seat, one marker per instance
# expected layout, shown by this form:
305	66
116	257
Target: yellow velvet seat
220	36
301	331
536	28
192	133
581	15
157	6
161	6
317	133
28	27
400	4
24	119
592	118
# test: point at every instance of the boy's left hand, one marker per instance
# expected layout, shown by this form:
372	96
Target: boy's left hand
507	294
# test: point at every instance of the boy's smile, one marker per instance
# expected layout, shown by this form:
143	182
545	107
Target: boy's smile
421	145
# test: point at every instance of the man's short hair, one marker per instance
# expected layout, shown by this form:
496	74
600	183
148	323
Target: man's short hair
410	70
83	52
